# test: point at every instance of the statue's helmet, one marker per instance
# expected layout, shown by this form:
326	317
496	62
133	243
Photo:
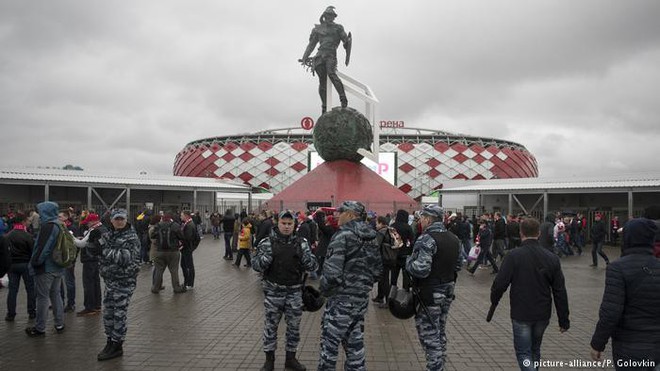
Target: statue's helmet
330	11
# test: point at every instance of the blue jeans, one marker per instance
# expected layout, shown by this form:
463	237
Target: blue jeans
47	287
16	273
228	252
527	338
598	249
216	231
69	280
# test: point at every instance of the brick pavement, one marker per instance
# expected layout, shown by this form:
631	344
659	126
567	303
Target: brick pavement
218	326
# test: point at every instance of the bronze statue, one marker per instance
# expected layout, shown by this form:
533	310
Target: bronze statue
328	34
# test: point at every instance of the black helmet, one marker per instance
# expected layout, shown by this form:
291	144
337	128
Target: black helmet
312	299
402	303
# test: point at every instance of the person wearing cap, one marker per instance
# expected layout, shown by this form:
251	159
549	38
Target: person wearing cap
90	248
283	258
630	311
47	274
598	234
119	266
536	279
328	34
352	265
435	259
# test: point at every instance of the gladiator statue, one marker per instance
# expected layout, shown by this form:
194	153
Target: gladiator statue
328	34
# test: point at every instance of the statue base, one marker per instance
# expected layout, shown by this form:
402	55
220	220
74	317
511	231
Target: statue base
333	182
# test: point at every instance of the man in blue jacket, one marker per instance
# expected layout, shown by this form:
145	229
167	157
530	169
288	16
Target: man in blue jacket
47	274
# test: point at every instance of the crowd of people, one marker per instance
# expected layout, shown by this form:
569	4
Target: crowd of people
347	251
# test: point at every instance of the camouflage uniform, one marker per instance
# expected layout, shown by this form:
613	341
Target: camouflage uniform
119	266
351	267
281	299
430	322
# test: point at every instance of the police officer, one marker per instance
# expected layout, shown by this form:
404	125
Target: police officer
282	258
119	265
351	267
433	265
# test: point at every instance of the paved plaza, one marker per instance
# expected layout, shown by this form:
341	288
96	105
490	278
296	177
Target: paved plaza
218	326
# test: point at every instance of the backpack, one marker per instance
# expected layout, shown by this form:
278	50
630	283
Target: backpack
65	252
384	240
196	237
164	237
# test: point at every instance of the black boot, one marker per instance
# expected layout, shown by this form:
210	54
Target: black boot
107	346
292	363
114	350
269	365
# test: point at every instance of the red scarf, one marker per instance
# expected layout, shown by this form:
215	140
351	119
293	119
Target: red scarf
20	227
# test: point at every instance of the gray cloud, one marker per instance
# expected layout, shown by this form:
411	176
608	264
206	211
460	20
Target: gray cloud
117	85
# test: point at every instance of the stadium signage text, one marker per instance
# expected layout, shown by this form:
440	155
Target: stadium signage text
392	124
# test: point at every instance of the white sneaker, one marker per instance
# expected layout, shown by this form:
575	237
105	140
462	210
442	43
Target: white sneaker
188	288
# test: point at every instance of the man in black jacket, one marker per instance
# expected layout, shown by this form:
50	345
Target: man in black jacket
630	311
598	234
190	242
535	276
546	237
499	236
91	246
228	227
21	251
407	236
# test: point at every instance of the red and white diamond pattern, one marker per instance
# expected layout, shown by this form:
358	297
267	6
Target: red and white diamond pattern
422	167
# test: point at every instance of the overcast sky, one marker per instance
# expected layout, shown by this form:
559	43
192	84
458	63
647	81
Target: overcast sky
125	85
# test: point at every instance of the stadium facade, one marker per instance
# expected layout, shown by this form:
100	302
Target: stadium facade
417	160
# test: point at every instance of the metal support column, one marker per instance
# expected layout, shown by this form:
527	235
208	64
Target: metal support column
128	202
479	203
249	206
46	192
194	204
510	211
630	204
89	198
214	202
545	205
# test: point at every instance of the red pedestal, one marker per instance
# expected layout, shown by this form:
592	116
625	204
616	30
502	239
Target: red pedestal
338	181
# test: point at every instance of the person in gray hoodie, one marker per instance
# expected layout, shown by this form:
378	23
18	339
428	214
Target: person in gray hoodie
47	274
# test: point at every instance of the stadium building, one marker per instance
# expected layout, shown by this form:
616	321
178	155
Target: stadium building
417	161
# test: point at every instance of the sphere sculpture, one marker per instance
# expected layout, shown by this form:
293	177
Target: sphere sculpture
339	133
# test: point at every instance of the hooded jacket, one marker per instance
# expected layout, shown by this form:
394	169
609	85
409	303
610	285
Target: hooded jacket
42	261
405	231
353	262
546	238
630	310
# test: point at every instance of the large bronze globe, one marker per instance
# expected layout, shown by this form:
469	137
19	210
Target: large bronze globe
339	133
